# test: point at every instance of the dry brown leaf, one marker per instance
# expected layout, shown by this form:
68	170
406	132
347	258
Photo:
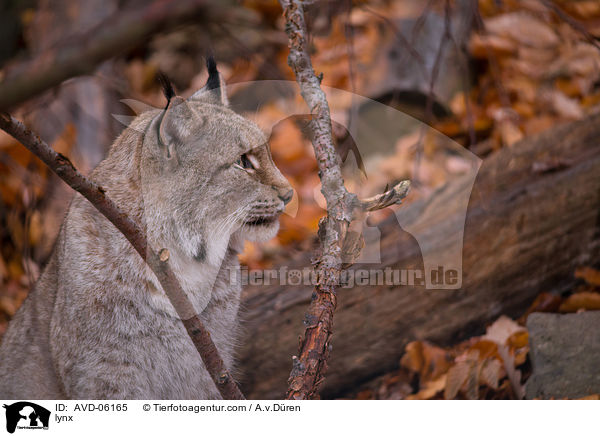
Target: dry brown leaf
502	329
525	87
459	374
544	302
536	56
473	369
8	305
486	348
490	372
413	357
482	46
471	387
518	343
426	359
500	332
430	389
36	230
581	300
3	270
514	375
509	132
561	104
518	339
583	9
590	275
581	60
524	29
571	88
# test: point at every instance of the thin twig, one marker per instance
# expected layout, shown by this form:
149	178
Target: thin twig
433	75
420	23
96	195
388	198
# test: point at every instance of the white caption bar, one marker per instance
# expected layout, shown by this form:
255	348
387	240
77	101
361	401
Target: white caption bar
299	417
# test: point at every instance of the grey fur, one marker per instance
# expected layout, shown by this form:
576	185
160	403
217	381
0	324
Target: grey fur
97	324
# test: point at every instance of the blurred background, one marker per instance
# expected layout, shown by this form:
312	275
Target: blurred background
487	74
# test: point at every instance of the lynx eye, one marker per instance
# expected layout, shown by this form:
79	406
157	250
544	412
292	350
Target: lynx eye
245	163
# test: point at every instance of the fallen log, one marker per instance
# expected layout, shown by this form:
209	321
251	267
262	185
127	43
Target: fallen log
533	216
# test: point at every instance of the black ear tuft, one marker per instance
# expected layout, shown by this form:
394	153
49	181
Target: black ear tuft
167	87
213	81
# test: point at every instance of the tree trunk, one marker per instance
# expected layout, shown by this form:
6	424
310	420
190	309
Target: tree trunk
533	217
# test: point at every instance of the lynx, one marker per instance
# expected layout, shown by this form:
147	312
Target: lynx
199	178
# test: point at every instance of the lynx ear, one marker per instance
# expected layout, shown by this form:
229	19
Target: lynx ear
173	125
214	90
167	88
174	122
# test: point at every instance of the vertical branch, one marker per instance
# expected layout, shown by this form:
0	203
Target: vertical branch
96	195
311	362
310	365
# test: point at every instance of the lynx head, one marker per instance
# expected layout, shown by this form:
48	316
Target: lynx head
207	173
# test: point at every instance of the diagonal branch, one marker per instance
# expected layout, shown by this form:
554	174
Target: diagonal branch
81	54
96	195
310	364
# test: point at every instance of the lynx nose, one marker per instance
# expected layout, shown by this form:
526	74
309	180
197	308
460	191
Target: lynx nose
287	197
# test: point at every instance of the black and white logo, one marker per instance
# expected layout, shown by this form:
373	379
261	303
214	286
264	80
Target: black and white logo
26	415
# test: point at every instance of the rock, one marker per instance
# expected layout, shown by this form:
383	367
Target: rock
565	353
